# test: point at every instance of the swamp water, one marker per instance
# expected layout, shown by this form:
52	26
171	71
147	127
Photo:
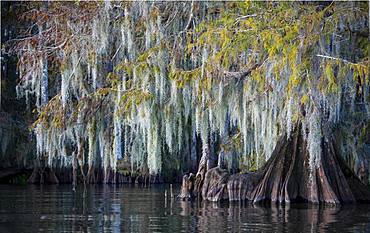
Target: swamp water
127	208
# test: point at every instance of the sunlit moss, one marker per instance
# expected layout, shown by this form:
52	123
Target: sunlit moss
243	70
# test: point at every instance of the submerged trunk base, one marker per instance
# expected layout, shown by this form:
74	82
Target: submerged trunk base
289	176
43	176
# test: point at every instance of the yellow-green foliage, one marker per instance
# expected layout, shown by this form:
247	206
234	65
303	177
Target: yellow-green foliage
133	97
251	65
278	32
52	115
183	77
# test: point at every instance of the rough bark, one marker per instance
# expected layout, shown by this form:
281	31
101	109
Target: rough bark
215	184
202	169
187	187
287	177
240	187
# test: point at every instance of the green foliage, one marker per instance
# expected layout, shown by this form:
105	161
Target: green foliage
133	97
182	77
52	115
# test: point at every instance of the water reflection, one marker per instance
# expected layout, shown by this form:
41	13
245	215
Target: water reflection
136	209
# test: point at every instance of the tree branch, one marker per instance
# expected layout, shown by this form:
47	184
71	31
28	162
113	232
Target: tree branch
190	16
339	59
243	73
244	17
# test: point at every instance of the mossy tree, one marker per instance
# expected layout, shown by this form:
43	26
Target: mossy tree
152	81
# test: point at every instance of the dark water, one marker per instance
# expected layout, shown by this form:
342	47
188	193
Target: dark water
135	209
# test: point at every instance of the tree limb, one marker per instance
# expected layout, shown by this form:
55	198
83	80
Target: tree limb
243	73
339	59
190	16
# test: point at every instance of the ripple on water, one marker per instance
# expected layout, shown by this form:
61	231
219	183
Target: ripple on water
126	208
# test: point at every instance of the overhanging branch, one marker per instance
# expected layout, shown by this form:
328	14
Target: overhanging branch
243	73
339	59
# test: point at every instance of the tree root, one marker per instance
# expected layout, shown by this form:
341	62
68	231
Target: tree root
286	177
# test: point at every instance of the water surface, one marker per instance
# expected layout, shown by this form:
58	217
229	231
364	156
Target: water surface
127	208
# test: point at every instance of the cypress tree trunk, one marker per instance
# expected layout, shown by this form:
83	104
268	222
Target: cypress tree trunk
202	169
288	177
